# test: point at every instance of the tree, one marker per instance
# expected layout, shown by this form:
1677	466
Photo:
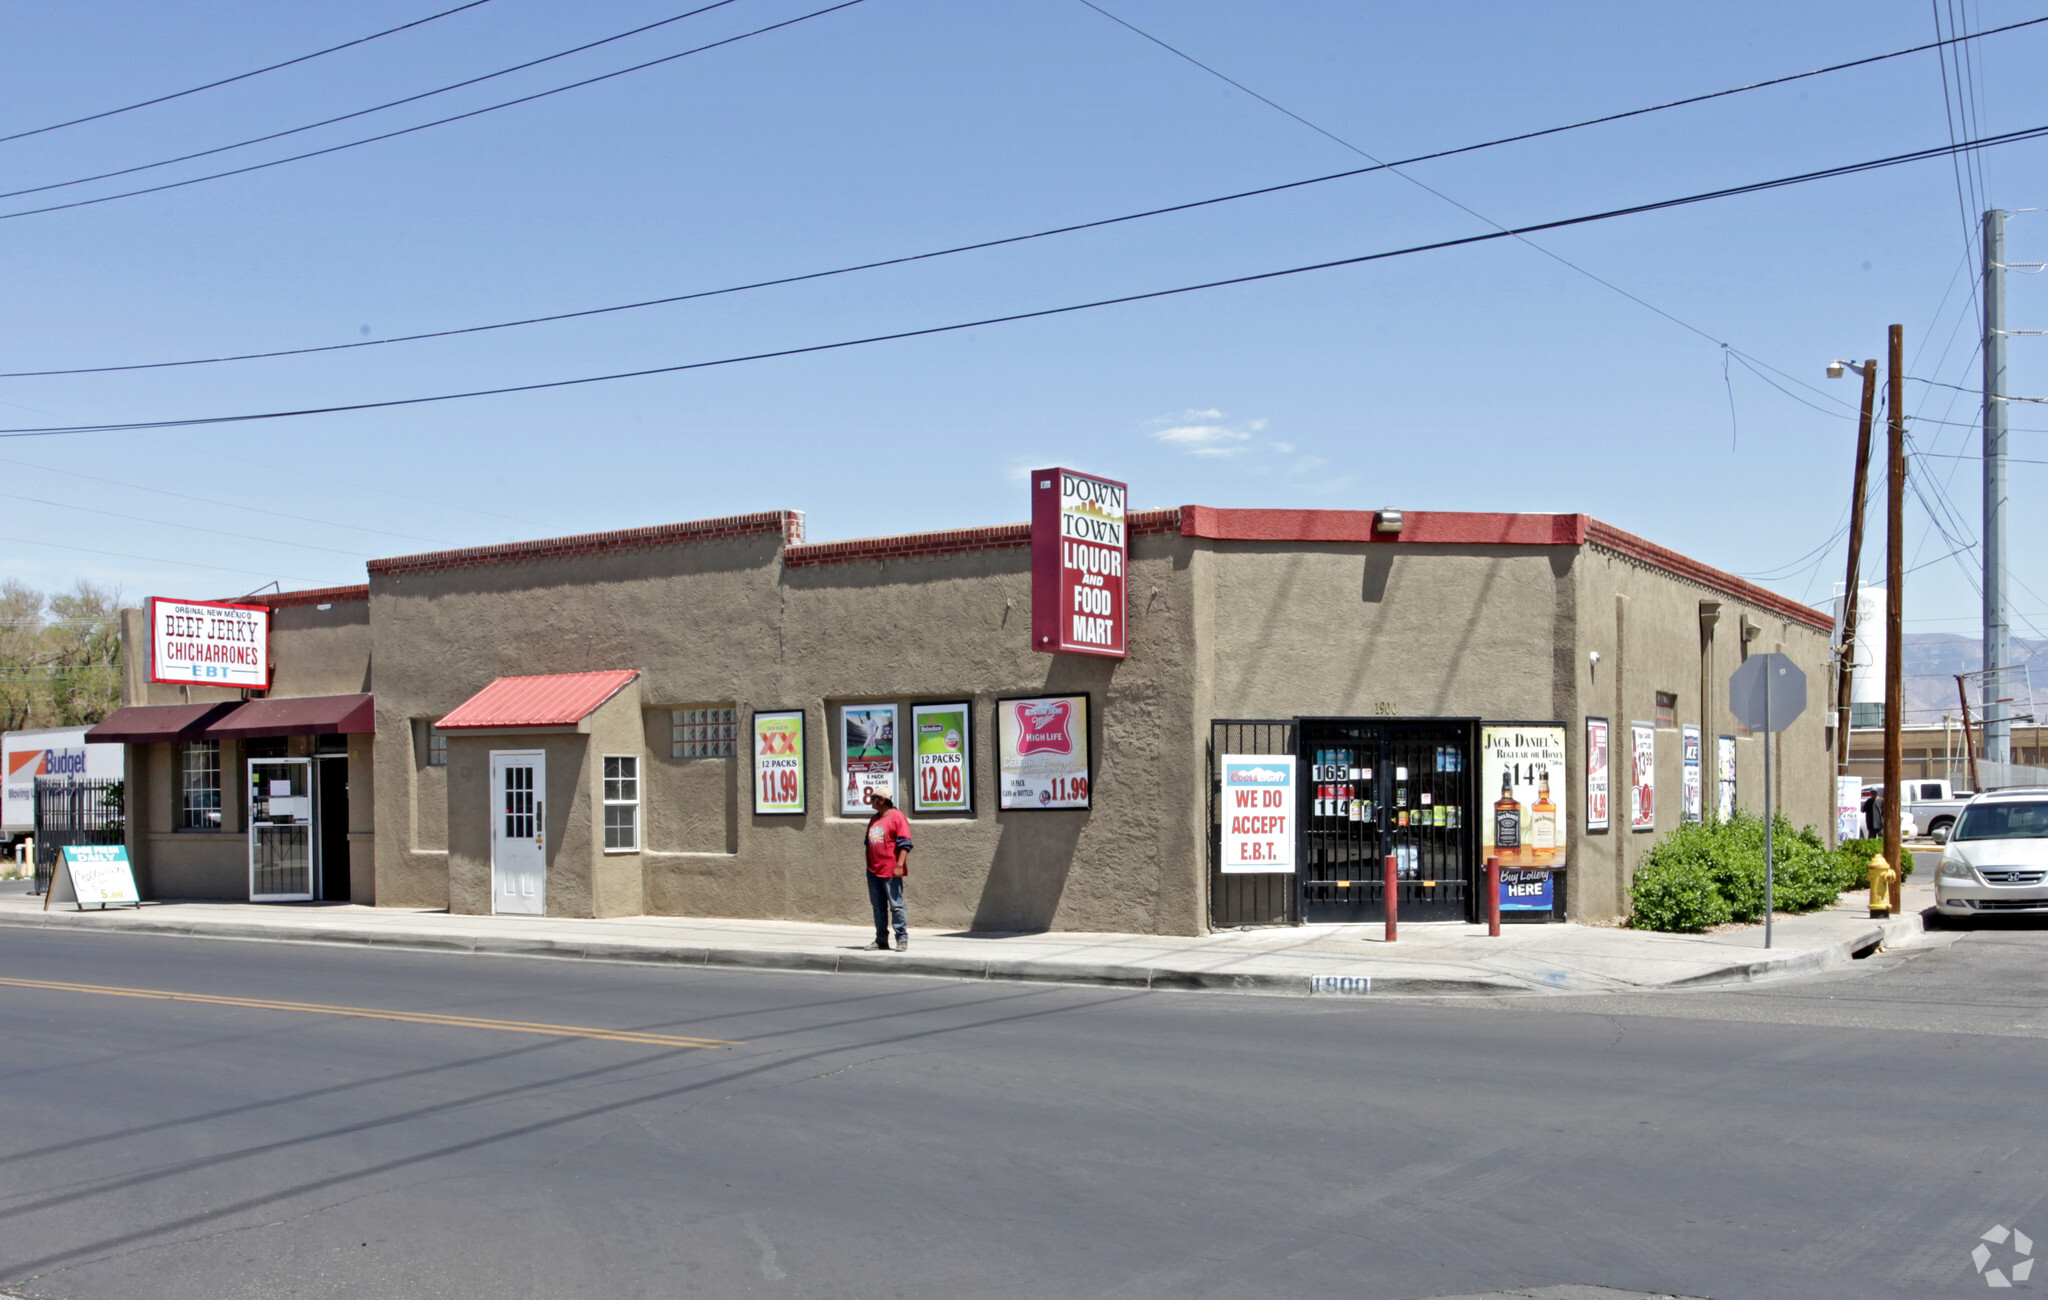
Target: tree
21	636
60	656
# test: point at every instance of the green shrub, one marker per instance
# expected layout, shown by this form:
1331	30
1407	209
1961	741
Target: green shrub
1704	874
1855	856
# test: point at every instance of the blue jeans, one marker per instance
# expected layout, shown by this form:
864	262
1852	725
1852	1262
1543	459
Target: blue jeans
886	897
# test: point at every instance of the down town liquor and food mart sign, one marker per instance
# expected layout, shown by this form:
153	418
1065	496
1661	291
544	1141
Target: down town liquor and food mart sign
1079	550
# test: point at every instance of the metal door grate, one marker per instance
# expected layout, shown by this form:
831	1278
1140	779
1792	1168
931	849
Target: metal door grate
74	811
1401	787
1261	899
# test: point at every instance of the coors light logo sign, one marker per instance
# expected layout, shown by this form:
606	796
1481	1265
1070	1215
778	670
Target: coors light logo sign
1079	548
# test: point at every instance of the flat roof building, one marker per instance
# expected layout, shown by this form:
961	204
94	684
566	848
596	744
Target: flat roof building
682	719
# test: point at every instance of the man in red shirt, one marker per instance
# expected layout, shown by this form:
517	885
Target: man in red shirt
888	849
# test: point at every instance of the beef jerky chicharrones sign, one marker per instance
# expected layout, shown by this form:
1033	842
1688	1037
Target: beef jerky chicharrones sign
1080	547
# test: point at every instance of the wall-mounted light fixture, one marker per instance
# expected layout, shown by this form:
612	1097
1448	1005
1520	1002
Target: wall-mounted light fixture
1386	521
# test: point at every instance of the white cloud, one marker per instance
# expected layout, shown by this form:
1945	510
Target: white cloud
1211	414
1205	439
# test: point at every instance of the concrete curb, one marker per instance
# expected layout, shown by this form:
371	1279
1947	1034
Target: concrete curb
1350	982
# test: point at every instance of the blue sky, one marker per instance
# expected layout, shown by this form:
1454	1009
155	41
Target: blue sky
1484	378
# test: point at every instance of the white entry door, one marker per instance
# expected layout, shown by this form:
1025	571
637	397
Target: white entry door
519	832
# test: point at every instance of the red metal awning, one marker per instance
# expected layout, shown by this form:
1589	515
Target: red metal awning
150	724
305	715
555	700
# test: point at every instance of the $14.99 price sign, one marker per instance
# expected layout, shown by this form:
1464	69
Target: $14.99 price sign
1258	813
779	762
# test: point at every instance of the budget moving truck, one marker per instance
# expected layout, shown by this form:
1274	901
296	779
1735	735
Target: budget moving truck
57	751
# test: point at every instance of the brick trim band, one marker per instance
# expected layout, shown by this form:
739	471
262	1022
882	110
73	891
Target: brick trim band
314	596
787	524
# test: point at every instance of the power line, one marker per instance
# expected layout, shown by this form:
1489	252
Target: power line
171	523
242	76
423	126
151	559
296	517
981	244
364	112
1756	187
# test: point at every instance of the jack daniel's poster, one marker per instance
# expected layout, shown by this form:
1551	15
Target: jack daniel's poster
1042	752
1522	795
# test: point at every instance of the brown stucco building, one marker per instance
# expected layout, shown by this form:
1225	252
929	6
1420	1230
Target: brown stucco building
1241	621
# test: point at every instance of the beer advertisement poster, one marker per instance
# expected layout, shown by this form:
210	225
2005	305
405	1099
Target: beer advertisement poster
1079	549
1257	798
779	763
1042	752
1522	790
1724	767
1692	791
944	779
1596	774
1642	779
867	736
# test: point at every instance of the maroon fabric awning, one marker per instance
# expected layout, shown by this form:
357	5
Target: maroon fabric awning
149	724
306	715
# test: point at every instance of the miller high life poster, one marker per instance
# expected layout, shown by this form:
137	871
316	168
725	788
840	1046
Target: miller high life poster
1042	752
209	643
1079	549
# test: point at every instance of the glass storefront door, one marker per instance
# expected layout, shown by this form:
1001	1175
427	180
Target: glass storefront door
282	838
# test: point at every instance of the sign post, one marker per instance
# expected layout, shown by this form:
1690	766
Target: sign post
93	873
1768	693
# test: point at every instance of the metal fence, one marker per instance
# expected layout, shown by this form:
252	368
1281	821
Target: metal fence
1239	900
73	811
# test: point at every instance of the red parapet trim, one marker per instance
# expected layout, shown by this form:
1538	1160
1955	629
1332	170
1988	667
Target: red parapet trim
910	546
956	541
316	596
1608	537
1429	527
787	524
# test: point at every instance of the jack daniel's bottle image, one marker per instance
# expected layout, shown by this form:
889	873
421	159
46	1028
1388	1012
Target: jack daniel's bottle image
1543	821
1507	820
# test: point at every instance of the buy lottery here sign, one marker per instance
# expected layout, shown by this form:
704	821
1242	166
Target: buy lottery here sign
1258	802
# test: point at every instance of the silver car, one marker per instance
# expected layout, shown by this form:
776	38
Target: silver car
1996	861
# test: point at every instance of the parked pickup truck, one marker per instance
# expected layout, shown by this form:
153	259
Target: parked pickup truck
1931	805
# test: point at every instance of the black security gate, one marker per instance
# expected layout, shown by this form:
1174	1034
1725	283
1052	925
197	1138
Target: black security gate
1263	899
1397	787
1368	788
73	811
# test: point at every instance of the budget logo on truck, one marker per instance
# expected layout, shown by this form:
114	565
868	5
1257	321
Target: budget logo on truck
1258	797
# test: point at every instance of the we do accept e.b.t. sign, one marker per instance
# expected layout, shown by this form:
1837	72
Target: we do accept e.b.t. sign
1258	813
1079	550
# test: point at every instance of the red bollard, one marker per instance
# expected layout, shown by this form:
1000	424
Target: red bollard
1393	897
1493	897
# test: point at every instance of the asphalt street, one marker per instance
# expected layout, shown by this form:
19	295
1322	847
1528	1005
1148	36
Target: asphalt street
307	1121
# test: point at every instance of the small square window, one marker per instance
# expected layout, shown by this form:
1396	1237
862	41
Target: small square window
1667	710
621	803
437	747
702	733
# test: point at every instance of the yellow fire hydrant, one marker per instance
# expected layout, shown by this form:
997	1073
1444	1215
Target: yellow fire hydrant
1881	877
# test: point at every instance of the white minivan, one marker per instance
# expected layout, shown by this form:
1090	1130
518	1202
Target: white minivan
1996	860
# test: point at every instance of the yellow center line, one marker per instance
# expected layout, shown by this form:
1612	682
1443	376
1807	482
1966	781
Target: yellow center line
368	1013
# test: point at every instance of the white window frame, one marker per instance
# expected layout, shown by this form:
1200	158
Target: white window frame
621	791
187	789
437	746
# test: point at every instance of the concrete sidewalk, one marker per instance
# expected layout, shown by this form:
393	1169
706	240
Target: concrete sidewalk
1436	959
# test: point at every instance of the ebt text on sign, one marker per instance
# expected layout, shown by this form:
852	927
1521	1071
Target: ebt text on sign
1257	798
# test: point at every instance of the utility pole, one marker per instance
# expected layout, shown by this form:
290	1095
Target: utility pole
1895	607
1997	627
1969	744
1858	496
